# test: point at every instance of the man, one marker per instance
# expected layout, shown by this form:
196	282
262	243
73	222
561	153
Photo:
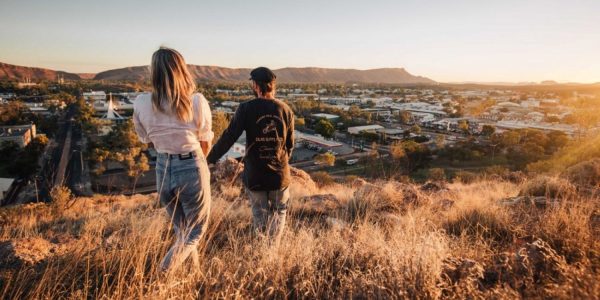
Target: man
269	126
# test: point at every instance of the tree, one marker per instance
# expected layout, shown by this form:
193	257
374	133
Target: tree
488	130
300	122
325	128
397	151
326	158
416	129
219	124
556	140
463	125
440	141
436	174
405	117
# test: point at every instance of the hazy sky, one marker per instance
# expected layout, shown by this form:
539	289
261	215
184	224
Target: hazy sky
449	40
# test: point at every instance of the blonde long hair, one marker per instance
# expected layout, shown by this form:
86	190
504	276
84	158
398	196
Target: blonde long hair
173	84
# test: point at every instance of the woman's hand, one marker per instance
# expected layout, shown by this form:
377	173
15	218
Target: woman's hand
205	147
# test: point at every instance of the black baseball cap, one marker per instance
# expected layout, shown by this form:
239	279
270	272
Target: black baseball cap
262	74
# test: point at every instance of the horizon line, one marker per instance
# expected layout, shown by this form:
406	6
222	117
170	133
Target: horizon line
488	82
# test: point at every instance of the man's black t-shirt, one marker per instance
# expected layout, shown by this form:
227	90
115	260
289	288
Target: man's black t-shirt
269	126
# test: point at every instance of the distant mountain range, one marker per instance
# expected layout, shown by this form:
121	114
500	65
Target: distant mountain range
214	73
12	72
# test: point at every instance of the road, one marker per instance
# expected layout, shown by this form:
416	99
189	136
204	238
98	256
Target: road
49	172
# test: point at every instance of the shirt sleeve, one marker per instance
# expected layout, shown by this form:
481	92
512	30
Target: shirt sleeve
229	136
139	128
204	120
290	136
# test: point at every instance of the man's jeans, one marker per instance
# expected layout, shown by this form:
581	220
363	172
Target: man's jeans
183	185
269	210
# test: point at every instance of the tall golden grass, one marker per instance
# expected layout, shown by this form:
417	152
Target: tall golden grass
374	241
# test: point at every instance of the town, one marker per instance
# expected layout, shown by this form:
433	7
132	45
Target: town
79	134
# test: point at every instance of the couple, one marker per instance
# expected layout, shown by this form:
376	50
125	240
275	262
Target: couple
178	122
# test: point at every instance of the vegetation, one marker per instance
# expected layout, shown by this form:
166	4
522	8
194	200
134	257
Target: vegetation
220	122
21	162
326	158
121	145
384	239
325	128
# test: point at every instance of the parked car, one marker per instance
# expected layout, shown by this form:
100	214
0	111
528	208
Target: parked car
352	161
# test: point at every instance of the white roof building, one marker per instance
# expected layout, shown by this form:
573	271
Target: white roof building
315	139
94	95
366	128
325	116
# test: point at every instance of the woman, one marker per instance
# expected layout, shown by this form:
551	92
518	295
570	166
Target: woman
178	122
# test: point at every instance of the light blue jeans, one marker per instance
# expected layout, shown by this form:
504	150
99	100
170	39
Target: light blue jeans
183	185
269	210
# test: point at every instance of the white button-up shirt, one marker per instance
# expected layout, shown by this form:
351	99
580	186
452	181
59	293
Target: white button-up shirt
166	132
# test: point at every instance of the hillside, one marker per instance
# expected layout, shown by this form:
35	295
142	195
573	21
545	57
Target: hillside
13	72
214	73
286	75
384	239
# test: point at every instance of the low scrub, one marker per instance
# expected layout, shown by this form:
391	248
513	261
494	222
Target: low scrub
356	240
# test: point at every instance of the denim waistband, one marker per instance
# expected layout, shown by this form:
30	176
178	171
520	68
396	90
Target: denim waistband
182	156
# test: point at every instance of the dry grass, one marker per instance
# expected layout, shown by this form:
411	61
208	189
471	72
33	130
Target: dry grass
386	240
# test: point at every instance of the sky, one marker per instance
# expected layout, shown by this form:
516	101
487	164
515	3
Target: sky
448	41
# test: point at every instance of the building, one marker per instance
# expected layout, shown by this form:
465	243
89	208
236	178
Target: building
420	107
19	134
530	103
547	127
95	96
6	184
231	104
378	112
366	128
342	101
302	96
328	117
315	139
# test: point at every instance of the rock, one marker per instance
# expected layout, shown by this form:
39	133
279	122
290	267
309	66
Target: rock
459	269
320	203
516	177
302	179
336	223
501	269
539	201
432	186
358	183
410	196
540	261
26	251
229	171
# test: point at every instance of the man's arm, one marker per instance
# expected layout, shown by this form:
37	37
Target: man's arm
290	137
229	136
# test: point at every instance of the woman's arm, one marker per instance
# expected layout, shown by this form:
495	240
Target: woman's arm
205	147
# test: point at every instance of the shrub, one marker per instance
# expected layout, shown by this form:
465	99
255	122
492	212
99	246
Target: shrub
60	195
322	178
544	186
584	174
465	177
436	174
497	170
481	223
